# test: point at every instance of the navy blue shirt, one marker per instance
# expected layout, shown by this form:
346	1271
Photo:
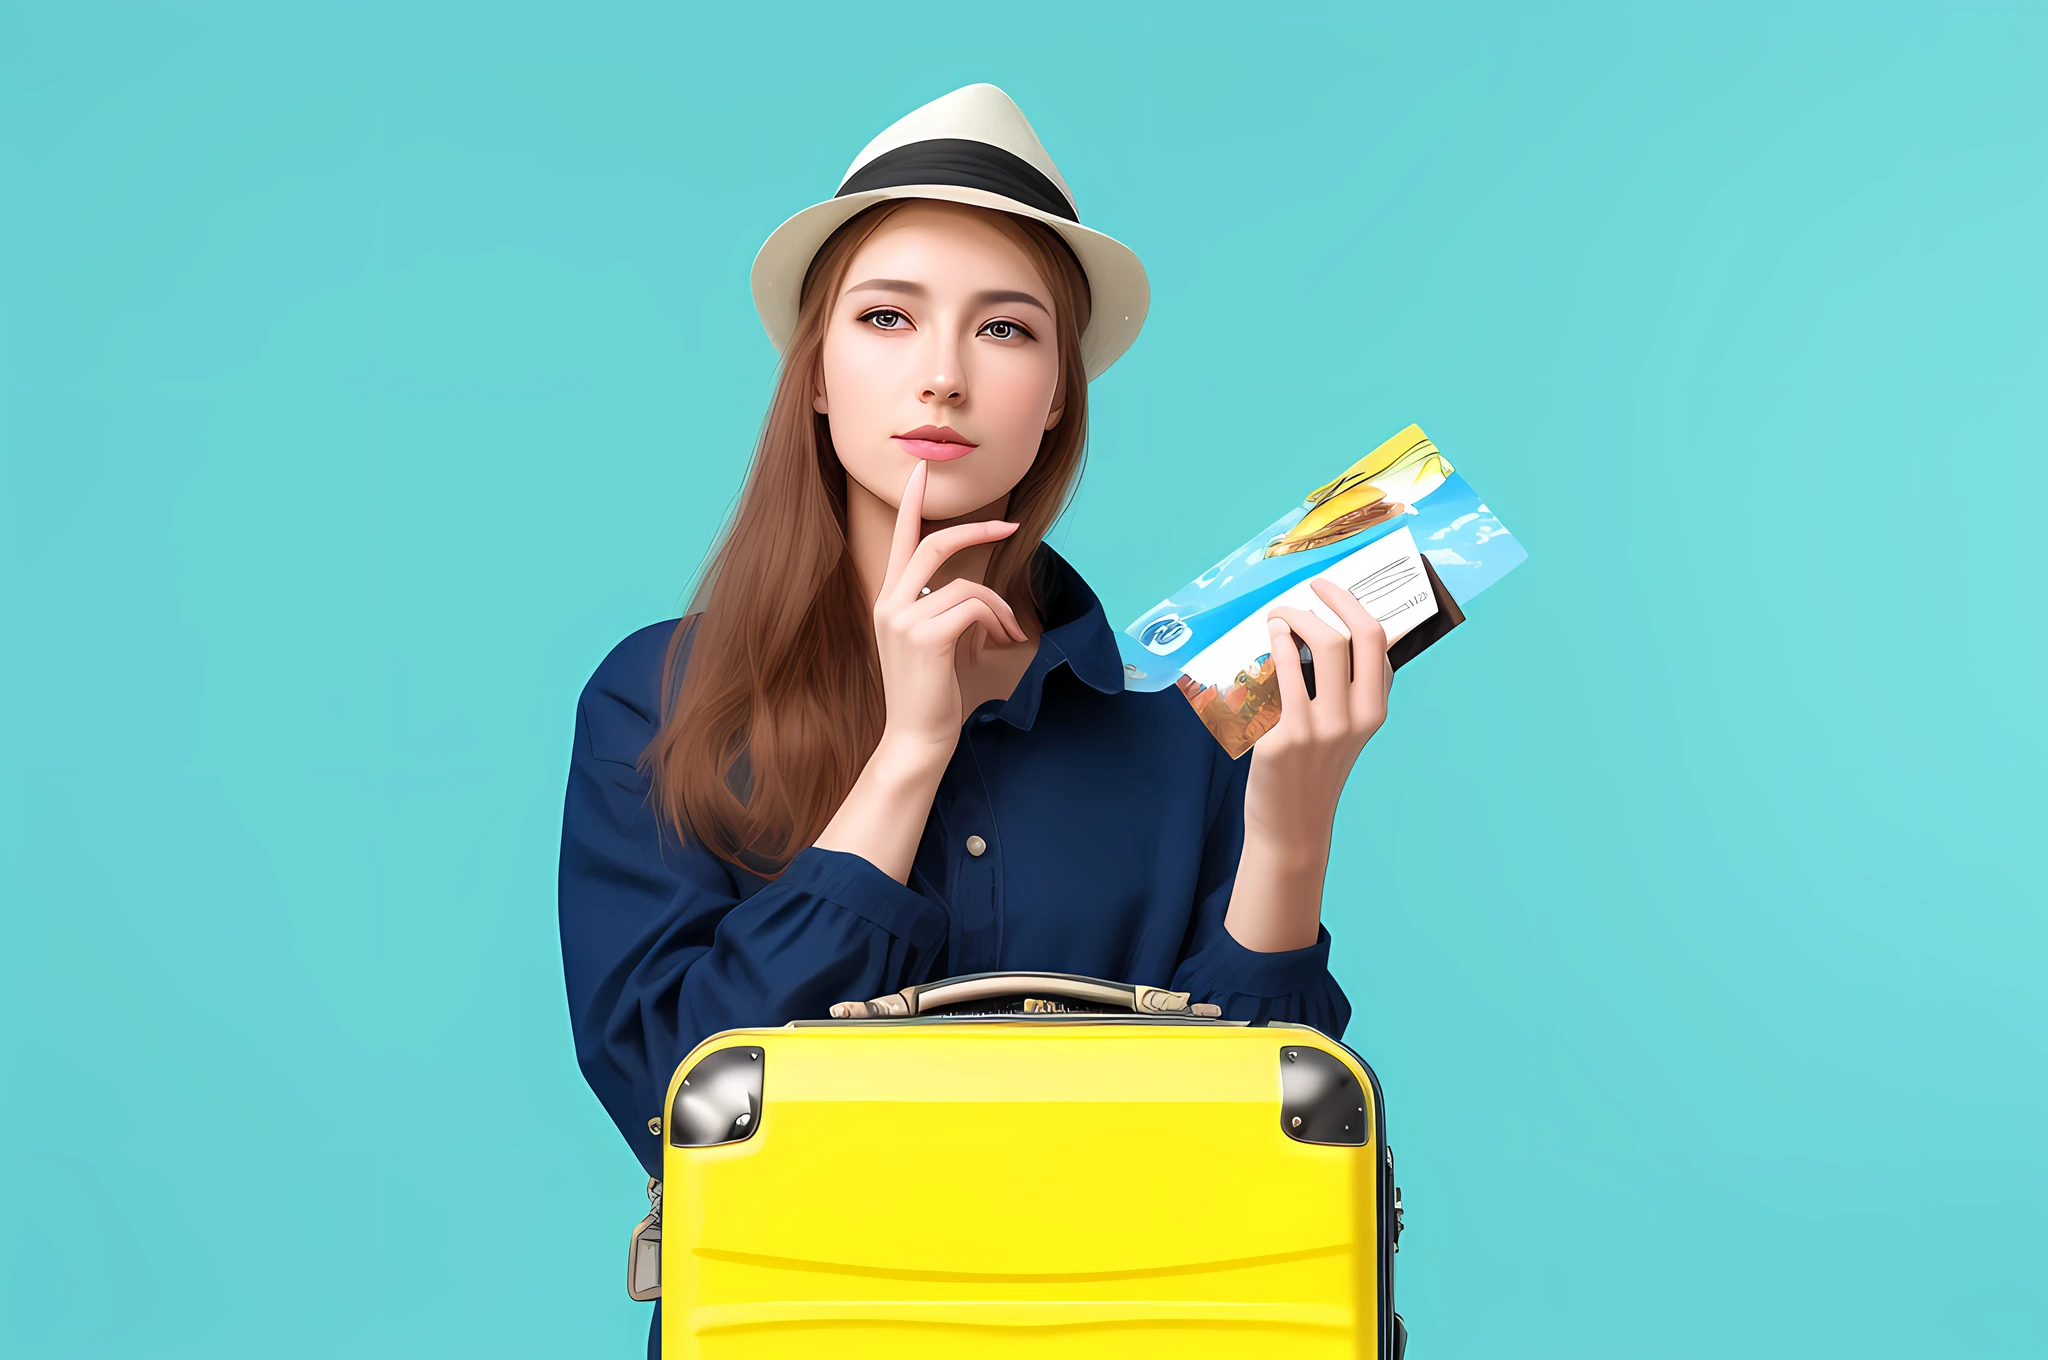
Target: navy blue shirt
1110	824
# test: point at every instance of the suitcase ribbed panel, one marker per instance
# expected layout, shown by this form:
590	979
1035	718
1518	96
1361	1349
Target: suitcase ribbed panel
998	1188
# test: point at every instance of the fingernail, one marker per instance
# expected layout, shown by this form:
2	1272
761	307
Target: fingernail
1277	625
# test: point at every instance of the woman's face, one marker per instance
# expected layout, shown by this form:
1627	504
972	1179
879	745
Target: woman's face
940	346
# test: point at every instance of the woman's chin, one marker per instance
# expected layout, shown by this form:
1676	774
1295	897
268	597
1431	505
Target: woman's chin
941	509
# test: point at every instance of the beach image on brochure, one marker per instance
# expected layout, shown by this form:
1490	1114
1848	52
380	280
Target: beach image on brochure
1232	682
1405	486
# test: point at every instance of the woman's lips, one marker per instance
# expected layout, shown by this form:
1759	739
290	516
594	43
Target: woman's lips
934	443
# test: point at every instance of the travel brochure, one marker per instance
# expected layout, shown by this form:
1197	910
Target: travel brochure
1399	529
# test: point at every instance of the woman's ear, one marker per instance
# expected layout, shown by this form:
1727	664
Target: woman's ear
818	402
1053	418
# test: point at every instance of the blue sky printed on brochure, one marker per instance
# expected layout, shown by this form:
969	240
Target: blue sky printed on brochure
1468	545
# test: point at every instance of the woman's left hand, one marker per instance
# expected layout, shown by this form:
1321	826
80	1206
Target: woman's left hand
1299	768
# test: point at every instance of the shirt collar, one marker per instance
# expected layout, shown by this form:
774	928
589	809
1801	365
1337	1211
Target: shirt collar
1077	635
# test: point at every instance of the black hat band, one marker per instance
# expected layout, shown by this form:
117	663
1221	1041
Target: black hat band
964	164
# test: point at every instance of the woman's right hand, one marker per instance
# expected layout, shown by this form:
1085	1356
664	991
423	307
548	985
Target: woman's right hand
919	635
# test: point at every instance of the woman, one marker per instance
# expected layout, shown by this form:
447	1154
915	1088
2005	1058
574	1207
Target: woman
890	742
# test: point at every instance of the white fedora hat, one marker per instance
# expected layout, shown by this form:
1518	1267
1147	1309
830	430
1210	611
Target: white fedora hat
971	146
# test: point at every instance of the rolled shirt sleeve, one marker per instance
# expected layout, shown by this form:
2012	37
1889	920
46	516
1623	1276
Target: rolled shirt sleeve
1289	984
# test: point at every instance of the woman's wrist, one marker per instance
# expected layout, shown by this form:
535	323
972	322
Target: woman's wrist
905	758
883	816
1295	849
1277	902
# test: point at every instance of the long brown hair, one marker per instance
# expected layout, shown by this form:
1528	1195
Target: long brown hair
776	686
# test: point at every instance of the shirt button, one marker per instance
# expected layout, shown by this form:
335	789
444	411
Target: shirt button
975	845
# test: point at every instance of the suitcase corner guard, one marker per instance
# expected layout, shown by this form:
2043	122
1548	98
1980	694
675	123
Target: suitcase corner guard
719	1100
1320	1101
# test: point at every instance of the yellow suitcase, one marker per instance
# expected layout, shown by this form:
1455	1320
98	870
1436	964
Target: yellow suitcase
1023	1164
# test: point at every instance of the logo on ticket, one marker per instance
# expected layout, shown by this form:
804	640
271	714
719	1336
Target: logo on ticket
1164	635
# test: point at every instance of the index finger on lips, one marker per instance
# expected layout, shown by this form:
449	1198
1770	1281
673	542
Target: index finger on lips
909	524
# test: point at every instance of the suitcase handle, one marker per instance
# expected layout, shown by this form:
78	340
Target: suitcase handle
1047	989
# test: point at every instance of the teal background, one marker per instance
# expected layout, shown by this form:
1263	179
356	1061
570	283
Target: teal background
366	371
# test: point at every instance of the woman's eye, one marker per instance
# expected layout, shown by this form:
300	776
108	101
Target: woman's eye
886	319
1003	330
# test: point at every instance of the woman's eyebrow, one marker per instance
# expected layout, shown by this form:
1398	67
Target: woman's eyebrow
888	286
993	296
987	298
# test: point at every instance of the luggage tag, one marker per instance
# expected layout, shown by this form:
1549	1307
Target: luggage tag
643	1255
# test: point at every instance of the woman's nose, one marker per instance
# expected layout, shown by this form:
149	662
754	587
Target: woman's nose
947	384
